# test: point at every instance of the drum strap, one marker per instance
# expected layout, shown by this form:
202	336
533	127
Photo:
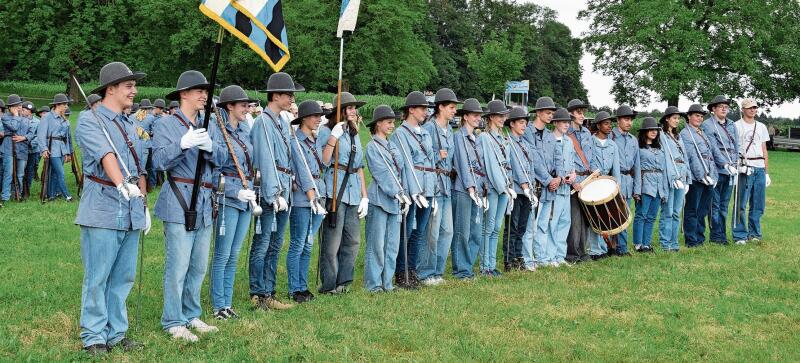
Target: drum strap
579	150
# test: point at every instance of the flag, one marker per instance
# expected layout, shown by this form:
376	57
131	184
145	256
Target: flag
258	23
348	16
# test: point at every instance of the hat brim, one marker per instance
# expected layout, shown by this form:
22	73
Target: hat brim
355	103
710	106
176	94
405	107
132	77
369	124
561	119
462	112
301	117
703	112
664	117
575	107
68	102
248	100
456	101
632	115
506	112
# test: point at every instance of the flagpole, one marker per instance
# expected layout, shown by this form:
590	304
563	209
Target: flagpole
190	216
338	119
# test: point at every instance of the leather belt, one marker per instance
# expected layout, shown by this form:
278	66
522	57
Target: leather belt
101	181
480	174
450	173
422	168
626	172
349	170
191	181
236	175
652	171
285	170
59	138
757	158
679	161
584	173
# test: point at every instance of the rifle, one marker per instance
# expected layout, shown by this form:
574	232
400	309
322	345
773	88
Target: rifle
76	170
337	199
45	173
254	207
14	181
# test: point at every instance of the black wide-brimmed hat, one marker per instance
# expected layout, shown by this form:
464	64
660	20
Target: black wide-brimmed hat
2	105
187	81
348	100
145	104
545	103
28	105
517	113
649	123
14	100
307	108
159	103
671	110
282	82
60	98
415	99
471	105
496	107
116	72
625	111
382	112
93	98
445	95
718	99
233	94
41	109
696	108
602	116
575	104
174	104
561	114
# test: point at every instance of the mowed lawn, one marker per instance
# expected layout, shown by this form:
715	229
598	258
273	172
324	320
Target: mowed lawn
734	303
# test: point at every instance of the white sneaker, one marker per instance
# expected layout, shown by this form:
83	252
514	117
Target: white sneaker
440	280
741	242
202	327
430	281
530	268
180	332
555	263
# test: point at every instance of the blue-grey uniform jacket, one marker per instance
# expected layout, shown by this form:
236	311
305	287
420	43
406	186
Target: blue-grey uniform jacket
18	126
724	141
416	144
523	163
387	168
628	148
677	158
273	156
467	163
306	148
558	157
653	173
53	135
240	142
101	205
699	162
495	151
178	163
352	191
442	139
584	138
606	158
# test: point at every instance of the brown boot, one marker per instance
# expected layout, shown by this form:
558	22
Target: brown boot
271	303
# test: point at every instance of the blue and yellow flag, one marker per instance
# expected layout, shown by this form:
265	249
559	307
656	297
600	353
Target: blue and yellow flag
258	23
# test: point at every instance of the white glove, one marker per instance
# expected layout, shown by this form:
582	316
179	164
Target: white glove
205	142
147	221
400	199
363	207
485	204
338	130
317	208
528	193
420	201
192	138
295	127
509	206
731	169
279	204
435	206
767	181
246	195
511	193
678	184
475	199
128	190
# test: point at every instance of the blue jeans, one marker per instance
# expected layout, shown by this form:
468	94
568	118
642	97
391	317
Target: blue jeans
303	226
433	254
7	165
31	168
416	234
669	223
226	255
645	219
528	237
494	218
57	185
185	264
552	230
264	251
752	192
698	202
622	237
109	269
721	197
383	244
467	234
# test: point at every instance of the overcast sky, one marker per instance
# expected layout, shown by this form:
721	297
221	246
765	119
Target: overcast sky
598	85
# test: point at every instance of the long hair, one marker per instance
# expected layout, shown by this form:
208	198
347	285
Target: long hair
675	133
656	143
141	114
332	120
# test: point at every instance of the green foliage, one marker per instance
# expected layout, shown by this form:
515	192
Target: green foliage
697	49
495	64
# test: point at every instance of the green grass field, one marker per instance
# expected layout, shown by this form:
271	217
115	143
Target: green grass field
735	303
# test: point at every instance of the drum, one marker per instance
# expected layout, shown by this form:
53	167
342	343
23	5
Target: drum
606	210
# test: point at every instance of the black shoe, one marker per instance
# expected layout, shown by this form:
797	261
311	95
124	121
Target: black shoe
599	257
623	254
308	294
96	349
221	314
127	345
232	313
612	251
298	297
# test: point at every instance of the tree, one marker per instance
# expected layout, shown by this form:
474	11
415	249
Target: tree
496	63
696	48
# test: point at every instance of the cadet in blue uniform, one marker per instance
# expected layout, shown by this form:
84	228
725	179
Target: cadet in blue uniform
32	156
433	254
579	229
554	214
389	202
308	202
628	158
416	149
523	171
237	211
650	189
535	134
55	145
604	155
177	143
724	142
272	155
469	191
112	211
341	231
704	177
678	179
495	151
11	123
